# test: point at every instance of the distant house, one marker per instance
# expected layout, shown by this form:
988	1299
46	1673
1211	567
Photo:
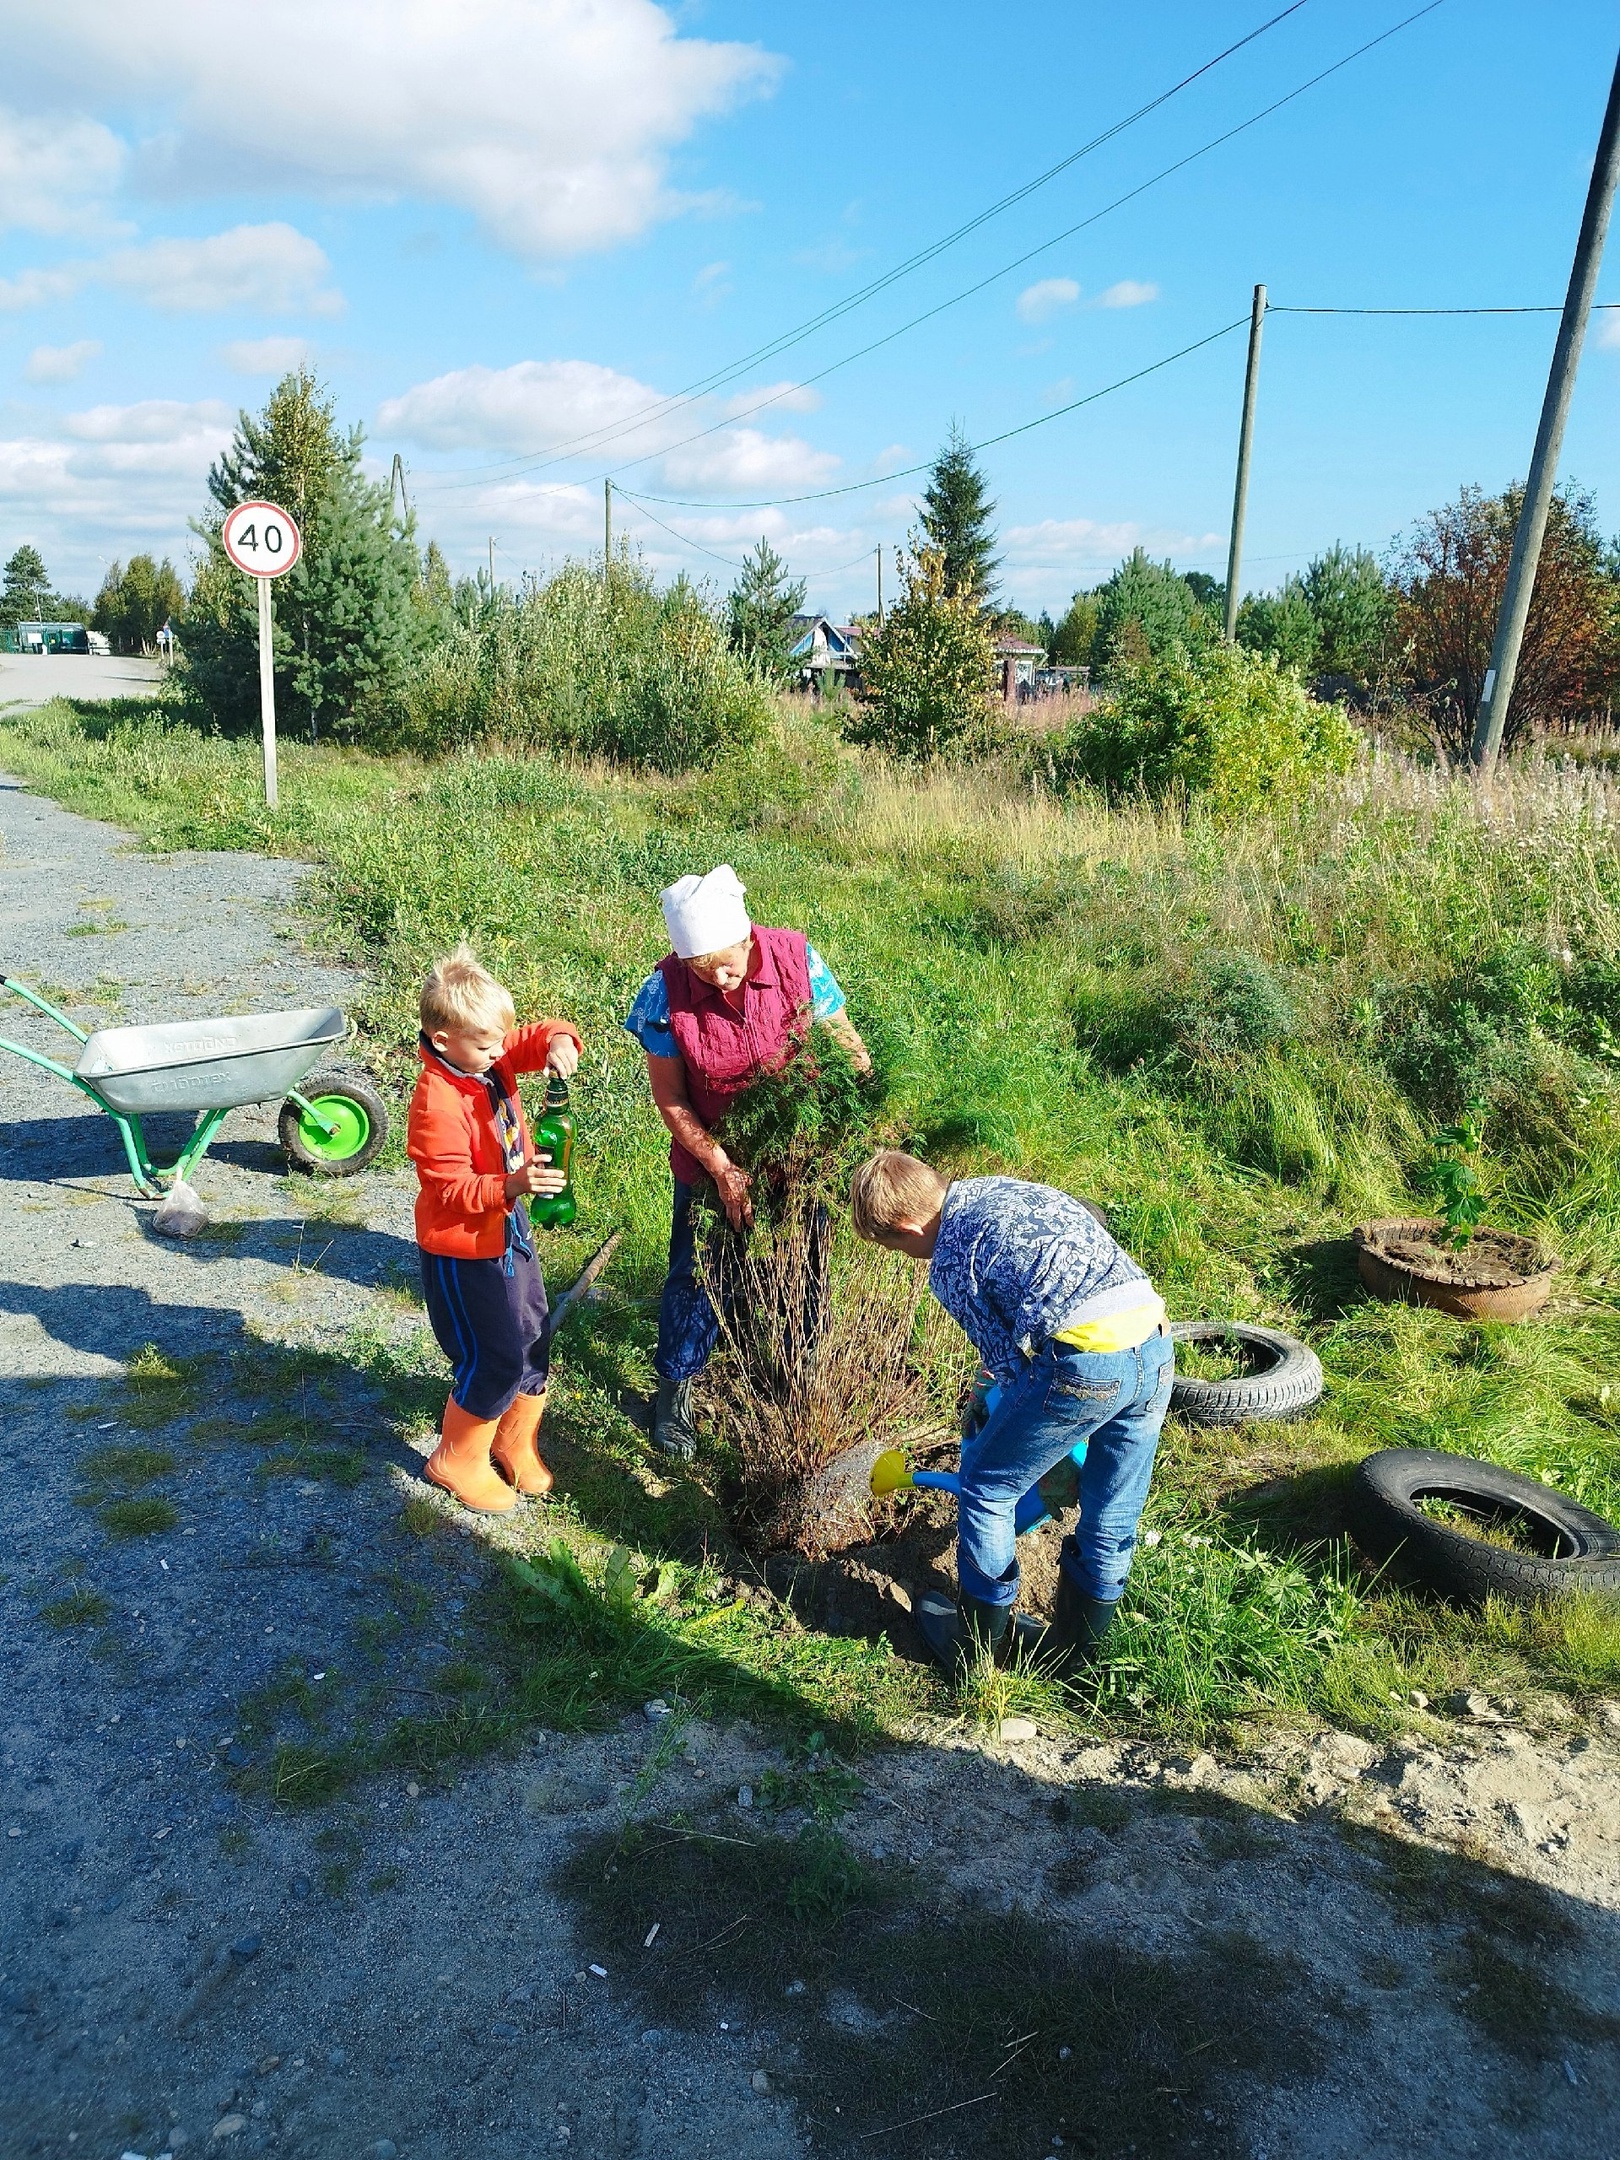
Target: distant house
822	647
45	637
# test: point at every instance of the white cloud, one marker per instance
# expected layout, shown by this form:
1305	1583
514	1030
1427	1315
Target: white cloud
38	288
111	479
1129	292
60	363
780	397
56	173
550	121
743	458
1086	540
1609	329
570	406
1038	303
530	406
265	355
272	268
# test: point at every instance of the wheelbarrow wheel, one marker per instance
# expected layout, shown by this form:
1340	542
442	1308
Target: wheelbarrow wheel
347	1130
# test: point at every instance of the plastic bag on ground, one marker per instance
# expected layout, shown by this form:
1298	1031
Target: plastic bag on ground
180	1213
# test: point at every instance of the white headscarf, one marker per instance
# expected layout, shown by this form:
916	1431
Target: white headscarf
705	914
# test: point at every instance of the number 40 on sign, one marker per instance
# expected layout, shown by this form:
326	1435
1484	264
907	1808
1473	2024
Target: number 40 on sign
260	538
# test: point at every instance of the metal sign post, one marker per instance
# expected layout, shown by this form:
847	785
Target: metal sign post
262	540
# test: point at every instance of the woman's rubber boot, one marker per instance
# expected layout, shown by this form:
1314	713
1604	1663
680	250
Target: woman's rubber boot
513	1450
1079	1625
460	1463
959	1630
673	1431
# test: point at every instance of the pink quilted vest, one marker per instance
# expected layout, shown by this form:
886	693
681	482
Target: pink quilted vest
725	1050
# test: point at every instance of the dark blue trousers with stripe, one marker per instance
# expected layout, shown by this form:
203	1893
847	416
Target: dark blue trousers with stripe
490	1320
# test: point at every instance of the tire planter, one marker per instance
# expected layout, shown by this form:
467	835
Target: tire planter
350	1103
1579	1550
1285	1379
1499	1277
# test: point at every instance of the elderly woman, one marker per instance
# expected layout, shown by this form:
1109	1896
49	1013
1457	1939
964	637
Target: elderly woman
727	1004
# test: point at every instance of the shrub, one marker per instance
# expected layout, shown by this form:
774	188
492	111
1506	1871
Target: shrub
927	668
598	667
1239	1008
1223	724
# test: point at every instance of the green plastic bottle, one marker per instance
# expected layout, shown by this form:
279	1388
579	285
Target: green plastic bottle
554	1136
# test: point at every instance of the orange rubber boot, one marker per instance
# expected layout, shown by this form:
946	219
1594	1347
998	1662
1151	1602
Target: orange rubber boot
460	1463
513	1449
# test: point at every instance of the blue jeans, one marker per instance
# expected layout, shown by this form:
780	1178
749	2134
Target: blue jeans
1115	1402
689	1326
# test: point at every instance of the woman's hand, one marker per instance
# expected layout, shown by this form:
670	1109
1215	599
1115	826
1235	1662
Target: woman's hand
731	1183
536	1176
563	1057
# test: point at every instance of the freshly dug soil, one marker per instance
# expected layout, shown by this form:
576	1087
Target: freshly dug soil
869	1589
1492	1259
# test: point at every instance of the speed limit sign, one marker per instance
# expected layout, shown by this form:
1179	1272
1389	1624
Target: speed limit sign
261	539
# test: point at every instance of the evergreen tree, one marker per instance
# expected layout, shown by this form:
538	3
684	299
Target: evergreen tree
1282	624
26	593
1144	611
759	609
956	515
346	618
1354	610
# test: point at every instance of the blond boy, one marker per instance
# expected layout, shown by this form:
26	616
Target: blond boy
475	1165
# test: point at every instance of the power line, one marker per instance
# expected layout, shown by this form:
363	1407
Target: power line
541	458
1274	309
780	502
781	343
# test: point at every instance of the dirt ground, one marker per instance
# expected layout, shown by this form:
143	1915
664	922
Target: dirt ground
186	1964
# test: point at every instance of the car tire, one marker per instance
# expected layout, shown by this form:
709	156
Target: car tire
1284	1381
1582	1550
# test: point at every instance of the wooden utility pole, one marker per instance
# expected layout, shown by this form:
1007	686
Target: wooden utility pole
1538	489
492	562
607	532
879	553
396	486
1240	494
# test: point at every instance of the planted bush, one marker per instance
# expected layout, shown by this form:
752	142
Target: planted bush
1229	727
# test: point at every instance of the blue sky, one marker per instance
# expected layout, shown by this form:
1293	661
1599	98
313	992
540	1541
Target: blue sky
505	225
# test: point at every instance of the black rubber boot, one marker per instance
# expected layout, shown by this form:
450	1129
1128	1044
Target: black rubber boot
1079	1625
673	1432
958	1631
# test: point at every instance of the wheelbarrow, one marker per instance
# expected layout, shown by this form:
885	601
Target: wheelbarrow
213	1067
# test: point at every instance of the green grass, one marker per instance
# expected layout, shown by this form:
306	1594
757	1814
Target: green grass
1238	1040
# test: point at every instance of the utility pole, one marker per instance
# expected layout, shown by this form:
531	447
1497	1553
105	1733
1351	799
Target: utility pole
1538	489
492	563
879	553
1240	494
396	485
607	532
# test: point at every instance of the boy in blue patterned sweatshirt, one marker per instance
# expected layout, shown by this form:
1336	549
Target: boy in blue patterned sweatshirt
1076	1338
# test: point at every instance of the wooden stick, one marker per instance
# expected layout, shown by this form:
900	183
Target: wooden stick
592	1268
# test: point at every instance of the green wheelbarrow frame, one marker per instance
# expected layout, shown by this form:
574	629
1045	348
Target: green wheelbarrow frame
151	1180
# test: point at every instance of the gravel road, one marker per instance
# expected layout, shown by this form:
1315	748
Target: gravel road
186	1964
28	679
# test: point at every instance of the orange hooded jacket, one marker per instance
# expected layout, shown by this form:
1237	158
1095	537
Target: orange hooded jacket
455	1143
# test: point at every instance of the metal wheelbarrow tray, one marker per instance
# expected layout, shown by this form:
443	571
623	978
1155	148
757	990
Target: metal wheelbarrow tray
213	1067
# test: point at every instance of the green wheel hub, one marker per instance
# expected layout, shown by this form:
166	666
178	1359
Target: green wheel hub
351	1127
